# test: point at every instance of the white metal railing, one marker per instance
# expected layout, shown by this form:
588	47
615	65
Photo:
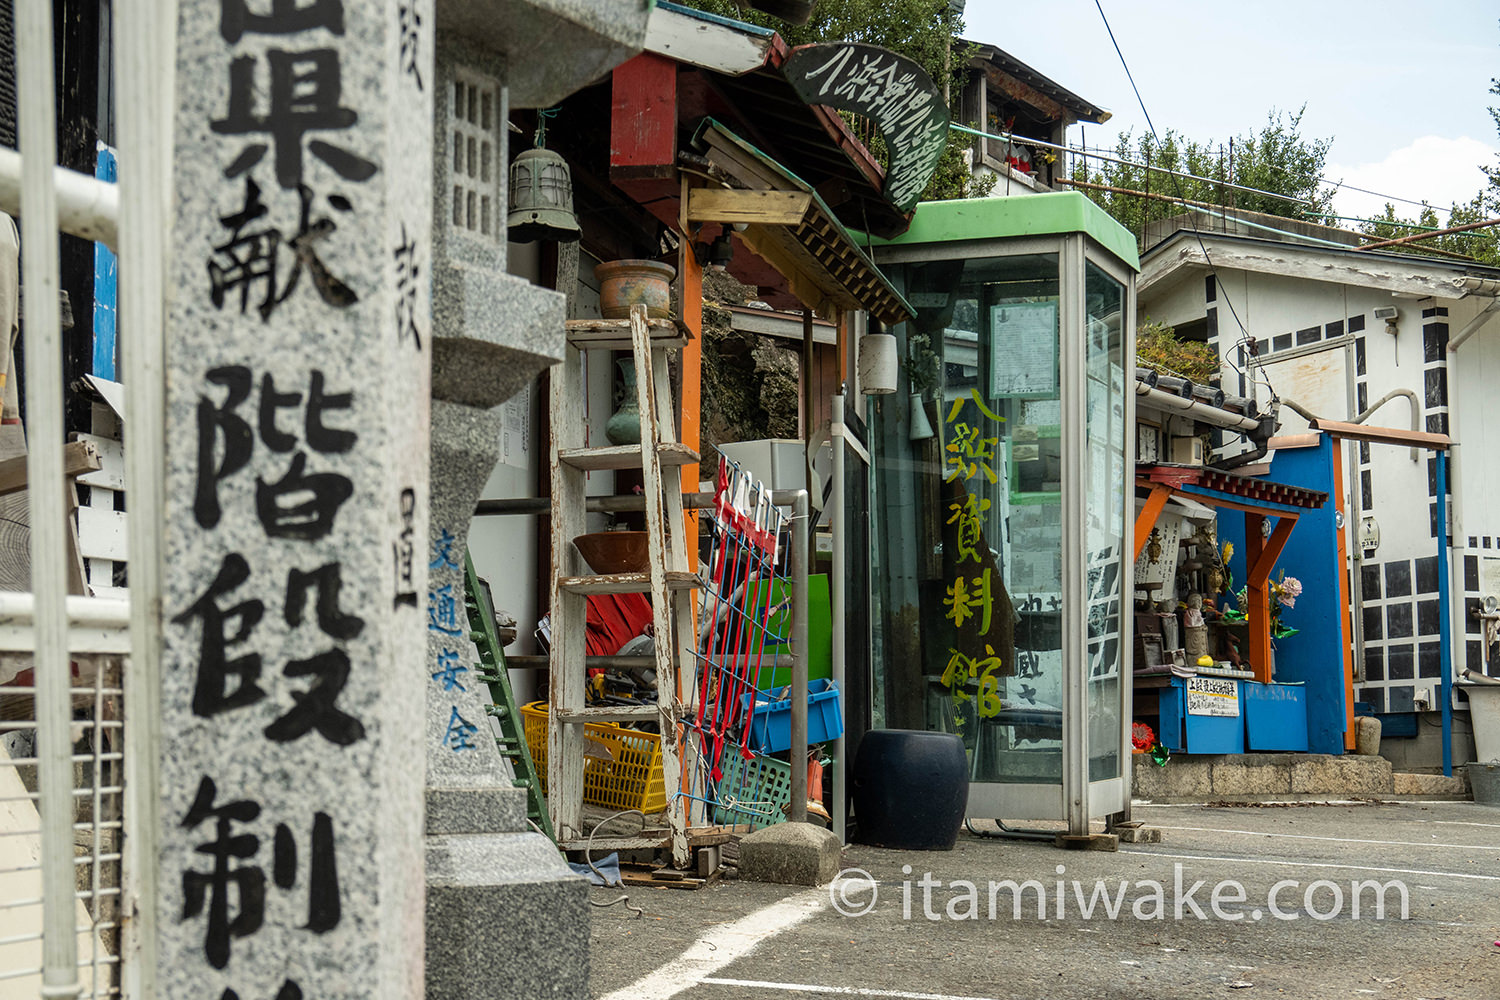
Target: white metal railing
78	789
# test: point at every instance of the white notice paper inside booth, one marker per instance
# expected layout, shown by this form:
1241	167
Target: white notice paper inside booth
1213	696
1023	353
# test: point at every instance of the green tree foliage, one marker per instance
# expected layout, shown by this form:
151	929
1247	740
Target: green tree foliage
1482	245
1158	347
1276	158
921	30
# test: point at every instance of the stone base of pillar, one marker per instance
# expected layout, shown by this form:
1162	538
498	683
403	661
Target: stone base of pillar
506	917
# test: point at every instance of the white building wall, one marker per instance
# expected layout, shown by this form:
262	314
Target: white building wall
505	549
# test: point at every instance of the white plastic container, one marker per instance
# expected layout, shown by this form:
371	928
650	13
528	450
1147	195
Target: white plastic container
1484	711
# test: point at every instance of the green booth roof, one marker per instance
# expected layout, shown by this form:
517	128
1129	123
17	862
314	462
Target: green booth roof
1019	215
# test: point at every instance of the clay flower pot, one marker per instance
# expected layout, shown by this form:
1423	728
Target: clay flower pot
625	283
611	552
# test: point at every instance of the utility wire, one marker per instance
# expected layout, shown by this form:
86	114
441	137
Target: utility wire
1080	151
1245	337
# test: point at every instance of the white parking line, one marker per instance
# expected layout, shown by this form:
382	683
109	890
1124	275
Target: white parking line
843	991
1311	864
722	946
1337	840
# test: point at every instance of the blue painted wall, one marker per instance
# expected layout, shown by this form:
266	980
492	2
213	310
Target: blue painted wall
1315	656
106	283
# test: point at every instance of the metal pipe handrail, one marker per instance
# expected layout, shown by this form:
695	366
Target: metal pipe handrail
87	207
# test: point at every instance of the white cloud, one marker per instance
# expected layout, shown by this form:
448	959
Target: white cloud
1432	169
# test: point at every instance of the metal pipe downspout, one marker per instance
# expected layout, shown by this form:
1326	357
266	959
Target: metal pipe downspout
800	506
1416	410
1473	325
841	768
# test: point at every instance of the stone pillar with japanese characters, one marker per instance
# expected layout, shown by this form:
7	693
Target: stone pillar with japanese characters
298	371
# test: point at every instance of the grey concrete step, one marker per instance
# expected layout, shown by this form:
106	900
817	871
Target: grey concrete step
1287	777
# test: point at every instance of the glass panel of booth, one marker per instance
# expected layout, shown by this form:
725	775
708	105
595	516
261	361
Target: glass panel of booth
967	532
1104	498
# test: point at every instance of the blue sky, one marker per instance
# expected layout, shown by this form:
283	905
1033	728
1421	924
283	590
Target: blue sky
1401	87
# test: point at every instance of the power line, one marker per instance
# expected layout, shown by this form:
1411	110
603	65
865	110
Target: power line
1207	259
1336	185
1078	151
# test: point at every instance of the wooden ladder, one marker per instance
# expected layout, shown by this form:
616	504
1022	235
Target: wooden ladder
668	580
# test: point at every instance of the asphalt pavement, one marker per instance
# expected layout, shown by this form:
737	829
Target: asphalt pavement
1398	900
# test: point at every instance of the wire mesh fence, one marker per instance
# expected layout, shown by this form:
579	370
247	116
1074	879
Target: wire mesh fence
97	807
743	626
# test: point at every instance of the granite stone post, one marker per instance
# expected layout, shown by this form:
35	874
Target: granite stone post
299	353
506	917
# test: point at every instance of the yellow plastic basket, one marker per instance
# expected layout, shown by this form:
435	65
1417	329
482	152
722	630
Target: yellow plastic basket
630	779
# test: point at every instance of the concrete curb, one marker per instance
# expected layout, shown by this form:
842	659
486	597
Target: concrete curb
1287	777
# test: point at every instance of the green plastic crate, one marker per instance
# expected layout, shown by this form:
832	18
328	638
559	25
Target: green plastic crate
755	791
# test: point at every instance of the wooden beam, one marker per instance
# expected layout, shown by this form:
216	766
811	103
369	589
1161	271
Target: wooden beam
79	457
643	117
1274	545
786	208
1016	90
690	295
1382	435
1150	511
764	243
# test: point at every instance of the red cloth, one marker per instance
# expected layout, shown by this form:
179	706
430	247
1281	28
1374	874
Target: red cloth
612	621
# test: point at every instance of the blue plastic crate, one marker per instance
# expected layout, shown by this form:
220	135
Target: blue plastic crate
771	726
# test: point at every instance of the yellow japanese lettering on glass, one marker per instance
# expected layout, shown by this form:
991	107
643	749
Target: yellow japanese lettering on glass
968	516
968	597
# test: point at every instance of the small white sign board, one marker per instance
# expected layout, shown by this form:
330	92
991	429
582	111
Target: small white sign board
1213	696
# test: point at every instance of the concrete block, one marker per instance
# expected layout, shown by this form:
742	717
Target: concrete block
1183	777
1431	785
494	333
1341	777
1247	776
1148	778
790	854
1139	834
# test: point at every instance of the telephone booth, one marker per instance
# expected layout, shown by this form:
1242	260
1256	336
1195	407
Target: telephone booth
1001	501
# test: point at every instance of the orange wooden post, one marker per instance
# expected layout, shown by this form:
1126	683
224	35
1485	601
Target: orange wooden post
1341	534
1260	559
1150	511
1257	601
690	292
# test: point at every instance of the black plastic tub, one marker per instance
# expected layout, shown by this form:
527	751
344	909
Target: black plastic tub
910	789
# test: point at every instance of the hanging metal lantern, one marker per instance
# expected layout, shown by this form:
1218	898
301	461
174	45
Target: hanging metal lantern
540	201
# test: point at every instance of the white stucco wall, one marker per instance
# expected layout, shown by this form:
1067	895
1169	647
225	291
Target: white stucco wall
505	549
